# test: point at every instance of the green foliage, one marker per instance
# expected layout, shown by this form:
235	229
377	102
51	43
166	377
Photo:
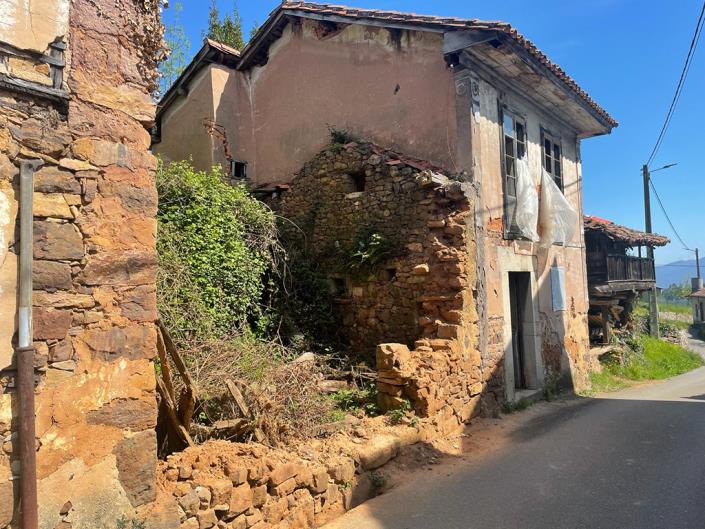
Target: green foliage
125	523
369	250
604	382
227	30
340	137
215	245
178	44
515	406
675	295
397	416
357	401
645	359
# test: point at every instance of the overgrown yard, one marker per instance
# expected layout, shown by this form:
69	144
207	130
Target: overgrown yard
644	358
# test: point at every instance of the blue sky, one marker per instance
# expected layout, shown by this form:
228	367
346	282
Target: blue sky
628	55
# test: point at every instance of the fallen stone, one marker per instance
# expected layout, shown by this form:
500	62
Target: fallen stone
240	499
378	451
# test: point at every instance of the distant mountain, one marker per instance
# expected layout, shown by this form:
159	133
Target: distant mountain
678	272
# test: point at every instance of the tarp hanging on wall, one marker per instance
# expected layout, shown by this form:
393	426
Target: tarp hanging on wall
527	208
557	217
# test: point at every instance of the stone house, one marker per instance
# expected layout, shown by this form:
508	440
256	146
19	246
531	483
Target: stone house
697	300
75	106
459	123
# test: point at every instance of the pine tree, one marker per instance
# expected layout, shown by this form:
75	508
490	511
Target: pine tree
228	30
178	44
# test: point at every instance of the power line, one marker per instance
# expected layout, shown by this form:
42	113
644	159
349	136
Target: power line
660	202
681	83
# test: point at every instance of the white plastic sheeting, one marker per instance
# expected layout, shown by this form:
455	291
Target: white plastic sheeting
558	218
527	207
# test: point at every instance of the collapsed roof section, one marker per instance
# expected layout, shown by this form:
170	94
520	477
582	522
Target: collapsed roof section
623	234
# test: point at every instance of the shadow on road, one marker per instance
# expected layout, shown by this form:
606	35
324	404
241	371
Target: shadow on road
602	463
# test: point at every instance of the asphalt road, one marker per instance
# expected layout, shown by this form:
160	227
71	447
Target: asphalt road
629	460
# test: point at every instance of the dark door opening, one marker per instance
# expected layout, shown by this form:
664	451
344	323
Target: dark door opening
520	300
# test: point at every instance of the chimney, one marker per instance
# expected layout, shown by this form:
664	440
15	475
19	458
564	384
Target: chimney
696	283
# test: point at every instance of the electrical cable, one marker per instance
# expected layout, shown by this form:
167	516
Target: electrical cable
668	218
681	83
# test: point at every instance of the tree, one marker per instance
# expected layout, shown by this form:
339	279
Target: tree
254	30
227	30
178	45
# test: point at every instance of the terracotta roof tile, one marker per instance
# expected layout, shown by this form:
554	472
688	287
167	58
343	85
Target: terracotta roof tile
451	23
624	234
698	294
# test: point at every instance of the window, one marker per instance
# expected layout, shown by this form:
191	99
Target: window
552	158
238	170
358	180
338	287
514	146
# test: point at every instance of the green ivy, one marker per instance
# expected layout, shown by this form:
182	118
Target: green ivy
215	246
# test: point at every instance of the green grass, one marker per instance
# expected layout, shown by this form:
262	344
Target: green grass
651	359
514	406
684	325
674	307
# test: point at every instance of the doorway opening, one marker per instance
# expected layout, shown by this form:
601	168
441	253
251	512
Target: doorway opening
522	325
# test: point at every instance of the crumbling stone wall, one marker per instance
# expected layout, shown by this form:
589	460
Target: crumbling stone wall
94	261
422	297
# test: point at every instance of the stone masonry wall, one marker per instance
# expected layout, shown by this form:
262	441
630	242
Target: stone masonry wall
423	297
94	267
400	201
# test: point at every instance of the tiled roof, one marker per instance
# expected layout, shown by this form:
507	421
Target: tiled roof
698	294
222	47
449	24
624	234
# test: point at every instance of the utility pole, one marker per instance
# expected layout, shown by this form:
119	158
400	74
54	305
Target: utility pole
653	306
697	263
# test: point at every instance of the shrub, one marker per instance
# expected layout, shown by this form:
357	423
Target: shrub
218	253
216	242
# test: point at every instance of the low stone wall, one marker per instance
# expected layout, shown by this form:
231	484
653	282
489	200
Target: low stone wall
242	486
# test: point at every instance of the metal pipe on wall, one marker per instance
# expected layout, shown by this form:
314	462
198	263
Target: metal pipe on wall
24	354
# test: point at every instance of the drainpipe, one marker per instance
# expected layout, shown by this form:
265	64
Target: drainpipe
24	355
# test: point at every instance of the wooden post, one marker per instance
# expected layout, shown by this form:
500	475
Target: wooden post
653	306
606	327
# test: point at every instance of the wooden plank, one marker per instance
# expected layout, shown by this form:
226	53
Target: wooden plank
164	364
171	413
178	361
238	398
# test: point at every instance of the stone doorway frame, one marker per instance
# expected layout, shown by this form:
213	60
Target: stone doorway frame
509	261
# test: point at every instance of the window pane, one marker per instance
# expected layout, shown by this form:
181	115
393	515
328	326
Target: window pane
521	150
508	124
509	166
557	169
557	152
520	131
511	187
547	147
547	163
509	146
559	182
